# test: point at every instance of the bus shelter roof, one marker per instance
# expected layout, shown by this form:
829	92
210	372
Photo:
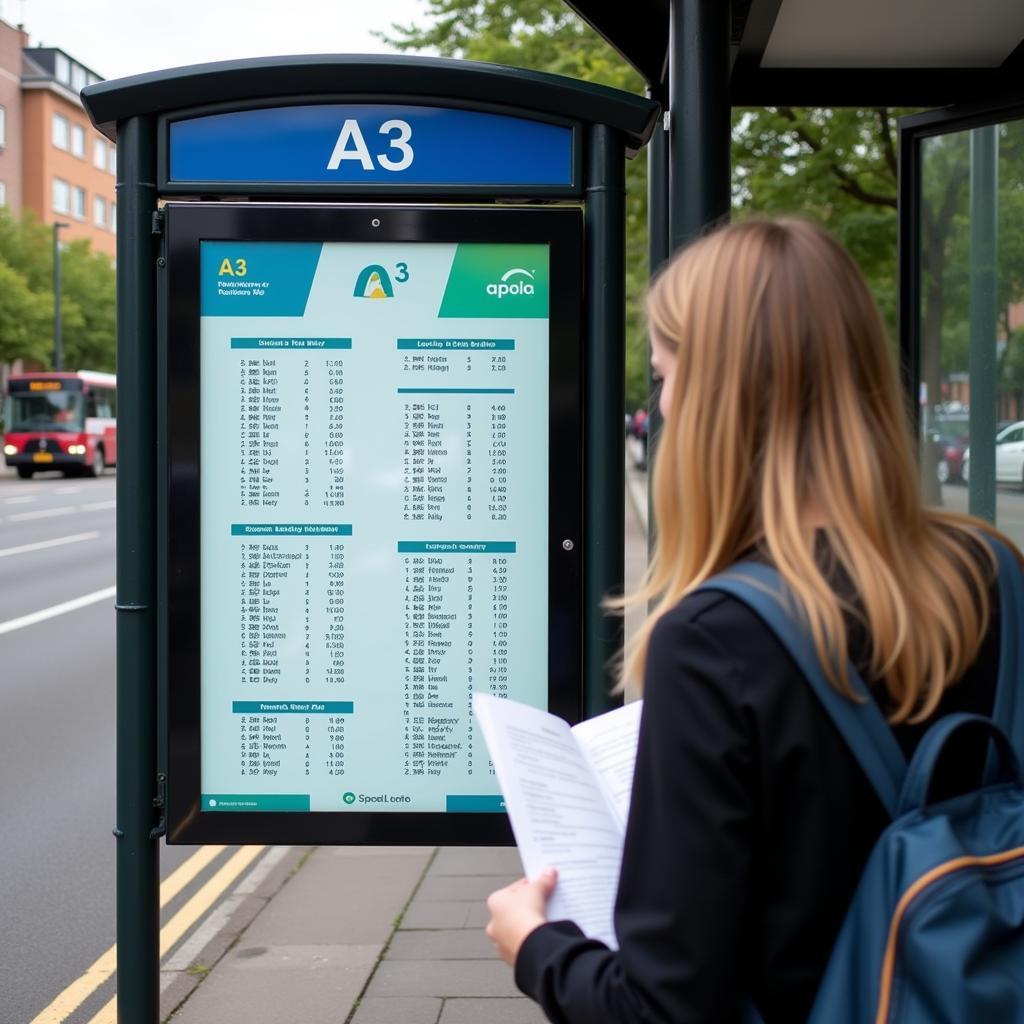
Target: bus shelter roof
839	53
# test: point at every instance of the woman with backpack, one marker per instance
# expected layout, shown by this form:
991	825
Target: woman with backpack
766	772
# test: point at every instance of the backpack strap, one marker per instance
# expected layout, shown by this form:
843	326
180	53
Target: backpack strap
861	723
1008	710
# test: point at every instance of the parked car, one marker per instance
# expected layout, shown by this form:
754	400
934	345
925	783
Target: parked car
949	457
1009	456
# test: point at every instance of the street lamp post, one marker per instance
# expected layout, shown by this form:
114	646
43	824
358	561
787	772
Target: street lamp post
56	294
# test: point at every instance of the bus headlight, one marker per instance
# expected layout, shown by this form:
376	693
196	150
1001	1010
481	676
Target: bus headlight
76	449
10	449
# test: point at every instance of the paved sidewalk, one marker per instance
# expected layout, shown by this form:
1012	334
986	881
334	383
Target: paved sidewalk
365	935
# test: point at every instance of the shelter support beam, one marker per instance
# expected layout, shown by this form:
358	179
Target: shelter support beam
138	857
604	403
658	250
982	359
699	101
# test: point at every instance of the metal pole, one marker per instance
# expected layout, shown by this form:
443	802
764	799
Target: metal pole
701	116
982	359
138	854
658	251
604	401
57	326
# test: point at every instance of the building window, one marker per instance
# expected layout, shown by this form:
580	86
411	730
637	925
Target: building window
3	193
113	216
61	132
78	194
62	69
99	211
61	196
77	77
112	159
99	154
3	127
78	140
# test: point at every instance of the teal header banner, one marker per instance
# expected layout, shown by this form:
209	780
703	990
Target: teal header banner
291	529
458	547
257	278
301	344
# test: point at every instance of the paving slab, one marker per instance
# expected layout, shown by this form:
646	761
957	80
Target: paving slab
446	978
436	914
493	1011
447	944
281	985
476	916
477	860
399	1010
341	900
471	887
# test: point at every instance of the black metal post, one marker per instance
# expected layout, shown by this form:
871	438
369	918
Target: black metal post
57	324
701	116
982	357
658	251
138	853
604	403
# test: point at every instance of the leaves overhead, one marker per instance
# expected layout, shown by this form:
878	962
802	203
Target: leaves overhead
26	298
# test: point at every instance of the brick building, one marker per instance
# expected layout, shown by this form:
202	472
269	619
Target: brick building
52	161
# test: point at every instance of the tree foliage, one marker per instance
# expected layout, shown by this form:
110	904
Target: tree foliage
837	166
26	298
544	35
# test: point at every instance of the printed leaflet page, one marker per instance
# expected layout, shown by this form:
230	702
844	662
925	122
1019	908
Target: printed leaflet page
559	815
609	745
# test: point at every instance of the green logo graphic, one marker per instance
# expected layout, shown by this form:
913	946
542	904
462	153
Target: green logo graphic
374	282
349	798
506	281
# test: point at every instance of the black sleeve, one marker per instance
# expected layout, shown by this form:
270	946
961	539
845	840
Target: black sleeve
683	890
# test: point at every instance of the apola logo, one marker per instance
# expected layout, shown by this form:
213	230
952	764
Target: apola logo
503	288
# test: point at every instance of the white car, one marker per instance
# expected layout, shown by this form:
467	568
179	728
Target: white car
1009	456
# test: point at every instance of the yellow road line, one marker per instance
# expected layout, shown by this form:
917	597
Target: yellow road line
96	974
190	913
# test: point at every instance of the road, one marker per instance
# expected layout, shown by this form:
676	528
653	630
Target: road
1009	508
57	753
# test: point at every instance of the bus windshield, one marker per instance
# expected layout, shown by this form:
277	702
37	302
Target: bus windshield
57	411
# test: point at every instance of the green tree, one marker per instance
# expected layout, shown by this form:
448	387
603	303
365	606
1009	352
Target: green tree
544	35
87	298
837	166
25	318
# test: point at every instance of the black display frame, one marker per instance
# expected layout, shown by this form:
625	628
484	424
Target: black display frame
179	541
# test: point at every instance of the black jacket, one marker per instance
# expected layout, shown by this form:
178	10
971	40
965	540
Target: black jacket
749	827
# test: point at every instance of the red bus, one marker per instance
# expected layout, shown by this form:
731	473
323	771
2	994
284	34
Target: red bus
65	421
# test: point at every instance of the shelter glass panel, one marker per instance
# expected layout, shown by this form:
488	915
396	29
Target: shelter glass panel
971	398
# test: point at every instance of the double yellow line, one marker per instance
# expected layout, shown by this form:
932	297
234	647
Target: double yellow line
103	969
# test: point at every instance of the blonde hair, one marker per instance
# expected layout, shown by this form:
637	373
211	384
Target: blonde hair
786	423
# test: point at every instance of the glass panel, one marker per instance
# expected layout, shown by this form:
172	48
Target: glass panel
972	323
78	140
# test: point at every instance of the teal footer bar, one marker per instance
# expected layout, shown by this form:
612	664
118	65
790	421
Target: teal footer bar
475	804
255	802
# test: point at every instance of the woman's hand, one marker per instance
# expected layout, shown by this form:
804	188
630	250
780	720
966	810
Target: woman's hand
516	910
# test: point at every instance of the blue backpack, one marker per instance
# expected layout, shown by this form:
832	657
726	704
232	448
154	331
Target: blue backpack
935	932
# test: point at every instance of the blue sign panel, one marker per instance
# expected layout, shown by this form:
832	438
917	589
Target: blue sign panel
371	144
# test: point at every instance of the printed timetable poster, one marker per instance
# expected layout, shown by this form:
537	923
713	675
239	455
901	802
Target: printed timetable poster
374	518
